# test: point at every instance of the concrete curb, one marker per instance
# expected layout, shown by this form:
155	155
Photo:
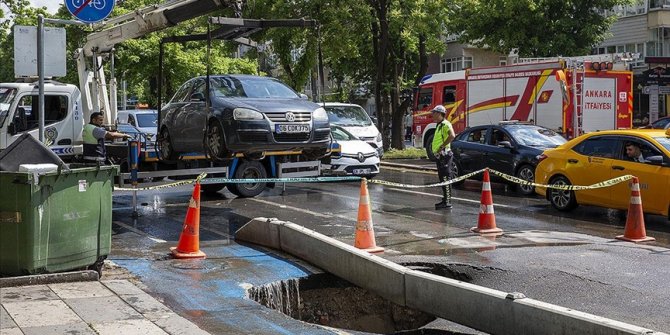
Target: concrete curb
408	166
477	307
52	278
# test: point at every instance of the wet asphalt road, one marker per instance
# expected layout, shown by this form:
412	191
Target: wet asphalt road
569	259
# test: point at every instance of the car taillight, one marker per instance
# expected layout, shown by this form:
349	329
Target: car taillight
540	157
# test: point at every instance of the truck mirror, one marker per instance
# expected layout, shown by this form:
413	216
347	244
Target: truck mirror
12	128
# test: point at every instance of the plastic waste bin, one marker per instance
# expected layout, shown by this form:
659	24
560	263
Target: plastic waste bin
55	221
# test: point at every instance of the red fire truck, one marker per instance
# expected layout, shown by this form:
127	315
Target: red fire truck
550	94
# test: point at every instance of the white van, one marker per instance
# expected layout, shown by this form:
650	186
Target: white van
355	120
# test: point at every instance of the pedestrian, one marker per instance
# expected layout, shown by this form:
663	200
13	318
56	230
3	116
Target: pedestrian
408	126
94	136
441	146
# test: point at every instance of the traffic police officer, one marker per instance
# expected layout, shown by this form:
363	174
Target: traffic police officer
441	146
94	136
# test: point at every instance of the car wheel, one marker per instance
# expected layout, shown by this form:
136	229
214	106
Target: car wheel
563	200
249	170
165	148
527	173
212	189
429	147
216	145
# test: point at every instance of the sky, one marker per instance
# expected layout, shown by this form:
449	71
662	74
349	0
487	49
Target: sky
51	5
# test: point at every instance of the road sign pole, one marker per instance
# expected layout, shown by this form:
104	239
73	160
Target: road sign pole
40	74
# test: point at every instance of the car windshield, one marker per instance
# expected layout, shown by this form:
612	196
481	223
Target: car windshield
251	87
146	120
660	123
6	97
340	134
348	116
664	141
534	136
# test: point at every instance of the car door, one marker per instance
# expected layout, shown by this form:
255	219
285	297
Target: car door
195	111
653	178
590	162
471	149
499	157
176	117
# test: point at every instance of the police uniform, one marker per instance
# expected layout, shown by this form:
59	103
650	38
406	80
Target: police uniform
94	143
444	157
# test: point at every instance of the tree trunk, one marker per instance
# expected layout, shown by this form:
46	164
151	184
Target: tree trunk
380	33
423	60
397	138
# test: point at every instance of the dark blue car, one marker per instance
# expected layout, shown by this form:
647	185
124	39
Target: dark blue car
511	148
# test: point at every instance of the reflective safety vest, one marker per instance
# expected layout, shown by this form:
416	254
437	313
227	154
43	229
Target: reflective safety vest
94	149
442	132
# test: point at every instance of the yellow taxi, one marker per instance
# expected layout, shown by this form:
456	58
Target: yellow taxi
599	156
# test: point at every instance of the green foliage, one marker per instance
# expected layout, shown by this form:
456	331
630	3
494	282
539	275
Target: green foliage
409	153
538	28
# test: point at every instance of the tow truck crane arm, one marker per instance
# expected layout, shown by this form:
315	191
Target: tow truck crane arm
129	26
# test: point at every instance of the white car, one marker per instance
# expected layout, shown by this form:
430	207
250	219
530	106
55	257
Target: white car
355	120
145	120
357	158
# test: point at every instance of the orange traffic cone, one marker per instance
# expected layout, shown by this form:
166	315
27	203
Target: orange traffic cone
635	231
486	225
189	240
365	233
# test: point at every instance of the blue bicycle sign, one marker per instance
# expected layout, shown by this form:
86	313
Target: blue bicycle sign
90	11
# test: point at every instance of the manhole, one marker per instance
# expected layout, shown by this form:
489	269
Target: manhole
197	264
330	301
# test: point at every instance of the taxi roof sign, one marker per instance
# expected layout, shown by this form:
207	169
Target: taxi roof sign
90	11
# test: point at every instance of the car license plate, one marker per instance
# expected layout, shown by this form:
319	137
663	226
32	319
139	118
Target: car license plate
291	128
361	171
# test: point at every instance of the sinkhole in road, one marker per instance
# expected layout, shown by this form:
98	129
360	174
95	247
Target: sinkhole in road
327	300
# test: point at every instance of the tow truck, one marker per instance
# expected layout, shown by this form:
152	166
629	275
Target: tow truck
68	107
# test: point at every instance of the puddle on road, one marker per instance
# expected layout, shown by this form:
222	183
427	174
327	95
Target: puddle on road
330	301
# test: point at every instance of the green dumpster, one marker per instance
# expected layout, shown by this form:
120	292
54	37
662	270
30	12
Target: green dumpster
56	221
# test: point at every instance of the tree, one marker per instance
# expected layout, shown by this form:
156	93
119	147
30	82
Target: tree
538	28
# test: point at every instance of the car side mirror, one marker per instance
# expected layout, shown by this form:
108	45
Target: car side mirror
197	97
304	96
656	160
374	120
12	129
505	144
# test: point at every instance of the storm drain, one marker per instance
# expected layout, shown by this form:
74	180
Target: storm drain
330	301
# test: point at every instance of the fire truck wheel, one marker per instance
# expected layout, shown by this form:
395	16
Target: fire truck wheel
249	170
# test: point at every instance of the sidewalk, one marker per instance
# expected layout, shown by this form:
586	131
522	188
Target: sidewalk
104	307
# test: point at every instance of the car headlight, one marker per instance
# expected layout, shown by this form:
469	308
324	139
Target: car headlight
246	114
379	137
320	115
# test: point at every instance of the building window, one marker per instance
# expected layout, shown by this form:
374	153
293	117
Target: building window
654	4
502	61
455	64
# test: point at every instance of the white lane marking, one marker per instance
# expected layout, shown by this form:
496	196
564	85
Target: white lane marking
139	232
302	210
439	196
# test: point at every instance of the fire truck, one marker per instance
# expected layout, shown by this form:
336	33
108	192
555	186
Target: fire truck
570	95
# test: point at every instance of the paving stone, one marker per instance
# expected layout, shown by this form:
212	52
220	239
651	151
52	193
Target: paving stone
147	305
5	320
41	313
122	287
102	309
27	293
128	327
80	328
89	289
11	331
176	325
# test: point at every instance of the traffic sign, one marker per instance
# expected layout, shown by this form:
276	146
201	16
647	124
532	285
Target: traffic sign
90	11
